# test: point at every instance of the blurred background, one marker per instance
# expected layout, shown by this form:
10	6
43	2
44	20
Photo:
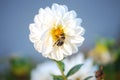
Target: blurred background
101	20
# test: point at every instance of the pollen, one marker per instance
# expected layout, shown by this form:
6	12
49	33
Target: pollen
56	31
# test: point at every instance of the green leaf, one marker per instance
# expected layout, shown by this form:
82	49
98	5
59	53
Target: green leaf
61	65
57	77
87	78
74	70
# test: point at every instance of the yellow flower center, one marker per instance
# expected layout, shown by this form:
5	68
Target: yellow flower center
56	32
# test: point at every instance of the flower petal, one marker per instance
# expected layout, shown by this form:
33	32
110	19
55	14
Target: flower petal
59	54
59	10
77	40
70	15
47	45
79	30
74	48
67	48
38	46
34	33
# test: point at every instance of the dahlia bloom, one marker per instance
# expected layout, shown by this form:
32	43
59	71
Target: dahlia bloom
56	32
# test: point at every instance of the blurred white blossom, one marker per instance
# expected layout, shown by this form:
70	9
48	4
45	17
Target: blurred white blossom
88	69
44	71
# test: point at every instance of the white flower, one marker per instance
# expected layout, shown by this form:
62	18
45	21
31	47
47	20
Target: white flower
44	71
56	32
85	71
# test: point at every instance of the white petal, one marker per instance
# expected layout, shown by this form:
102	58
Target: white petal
37	21
65	8
49	11
70	15
74	48
45	17
79	30
47	45
53	54
77	40
38	46
69	32
67	49
34	33
33	29
71	23
55	6
73	45
59	10
59	54
55	9
78	21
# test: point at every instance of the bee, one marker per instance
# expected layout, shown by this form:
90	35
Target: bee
60	40
99	74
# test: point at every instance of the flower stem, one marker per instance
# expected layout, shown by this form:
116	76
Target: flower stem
62	72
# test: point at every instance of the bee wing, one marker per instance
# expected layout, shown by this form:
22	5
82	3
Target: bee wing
55	43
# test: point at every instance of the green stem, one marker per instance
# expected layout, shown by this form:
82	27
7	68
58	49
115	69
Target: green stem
60	68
